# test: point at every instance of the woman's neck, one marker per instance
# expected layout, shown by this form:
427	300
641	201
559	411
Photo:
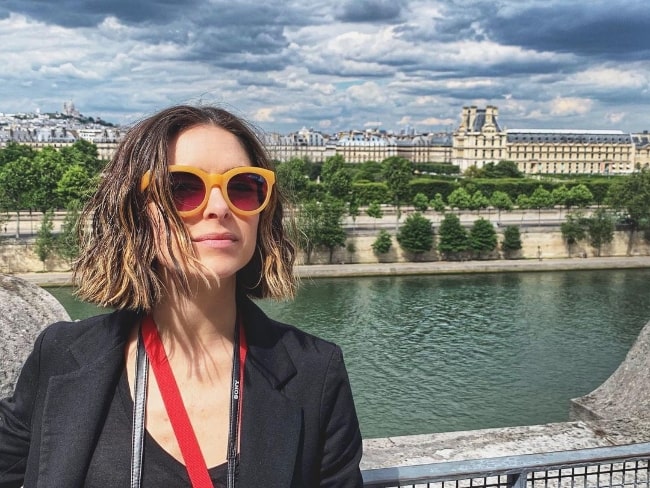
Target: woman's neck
198	330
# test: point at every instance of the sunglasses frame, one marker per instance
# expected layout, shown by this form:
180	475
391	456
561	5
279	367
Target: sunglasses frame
210	180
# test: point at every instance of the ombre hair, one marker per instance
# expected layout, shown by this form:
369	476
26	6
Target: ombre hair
121	241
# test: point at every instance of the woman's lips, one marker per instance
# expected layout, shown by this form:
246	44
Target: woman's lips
216	240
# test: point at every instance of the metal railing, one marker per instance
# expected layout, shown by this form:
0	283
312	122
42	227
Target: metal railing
612	467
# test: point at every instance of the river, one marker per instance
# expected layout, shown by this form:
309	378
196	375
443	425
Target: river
443	353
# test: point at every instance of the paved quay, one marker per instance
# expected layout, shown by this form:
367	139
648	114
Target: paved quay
418	268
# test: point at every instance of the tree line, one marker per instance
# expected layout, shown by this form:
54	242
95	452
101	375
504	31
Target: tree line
323	194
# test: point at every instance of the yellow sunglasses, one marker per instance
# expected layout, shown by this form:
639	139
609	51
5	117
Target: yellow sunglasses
246	189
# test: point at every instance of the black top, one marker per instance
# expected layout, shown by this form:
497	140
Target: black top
111	461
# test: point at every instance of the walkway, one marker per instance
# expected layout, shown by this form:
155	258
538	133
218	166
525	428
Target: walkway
414	268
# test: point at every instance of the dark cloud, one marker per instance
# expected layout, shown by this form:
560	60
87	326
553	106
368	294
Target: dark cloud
599	30
370	10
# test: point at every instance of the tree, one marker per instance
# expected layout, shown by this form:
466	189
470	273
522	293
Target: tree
374	210
14	151
75	185
438	204
66	244
460	199
48	166
308	223
83	153
18	181
501	201
482	237
336	178
541	198
478	201
523	201
416	234
560	195
511	240
631	195
574	229
44	244
453	239
331	233
600	227
382	243
292	178
397	173
420	202
503	169
580	196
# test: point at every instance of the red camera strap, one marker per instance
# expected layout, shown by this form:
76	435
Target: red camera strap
185	435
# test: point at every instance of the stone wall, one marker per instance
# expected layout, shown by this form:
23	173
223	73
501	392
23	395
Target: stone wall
21	258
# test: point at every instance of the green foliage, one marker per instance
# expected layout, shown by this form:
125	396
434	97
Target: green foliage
500	200
574	228
369	171
503	169
14	151
368	192
511	240
631	196
67	243
382	243
308	223
45	244
438	204
331	233
420	202
292	178
600	227
397	173
541	198
336	178
478	201
83	153
431	186
523	201
374	210
560	195
460	199
580	196
75	185
416	234
453	237
482	237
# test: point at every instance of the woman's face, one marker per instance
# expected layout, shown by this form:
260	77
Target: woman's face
223	241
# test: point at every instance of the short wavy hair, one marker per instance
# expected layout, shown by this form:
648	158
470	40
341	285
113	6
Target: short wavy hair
118	265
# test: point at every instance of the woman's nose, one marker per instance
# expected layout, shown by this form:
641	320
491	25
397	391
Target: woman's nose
216	205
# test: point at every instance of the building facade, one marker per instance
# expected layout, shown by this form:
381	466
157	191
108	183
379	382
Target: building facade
478	140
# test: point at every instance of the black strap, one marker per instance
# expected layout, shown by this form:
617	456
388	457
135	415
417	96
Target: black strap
139	404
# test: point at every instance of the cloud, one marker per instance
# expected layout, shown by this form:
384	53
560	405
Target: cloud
370	10
570	106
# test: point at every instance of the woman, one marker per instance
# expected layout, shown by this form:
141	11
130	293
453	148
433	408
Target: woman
187	383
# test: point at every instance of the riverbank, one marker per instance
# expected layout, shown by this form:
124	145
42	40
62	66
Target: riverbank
315	271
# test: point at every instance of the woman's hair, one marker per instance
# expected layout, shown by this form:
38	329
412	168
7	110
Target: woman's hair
121	240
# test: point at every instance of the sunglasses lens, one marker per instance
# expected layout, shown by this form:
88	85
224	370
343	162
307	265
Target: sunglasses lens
247	191
187	190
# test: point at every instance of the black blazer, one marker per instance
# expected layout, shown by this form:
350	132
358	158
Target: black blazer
299	427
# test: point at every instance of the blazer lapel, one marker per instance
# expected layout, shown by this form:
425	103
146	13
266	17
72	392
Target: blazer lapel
76	403
271	423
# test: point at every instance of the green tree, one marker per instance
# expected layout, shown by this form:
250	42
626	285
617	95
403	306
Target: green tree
416	234
66	243
482	237
336	178
369	171
438	204
75	185
580	196
460	199
574	229
478	201
14	151
382	243
331	233
453	239
292	178
45	244
600	227
501	201
374	211
541	198
511	240
309	223
18	181
48	166
523	201
630	195
397	173
560	195
420	202
83	153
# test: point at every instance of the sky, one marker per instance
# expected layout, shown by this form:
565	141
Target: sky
334	65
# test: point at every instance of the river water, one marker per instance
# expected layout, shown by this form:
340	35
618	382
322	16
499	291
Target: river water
444	353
